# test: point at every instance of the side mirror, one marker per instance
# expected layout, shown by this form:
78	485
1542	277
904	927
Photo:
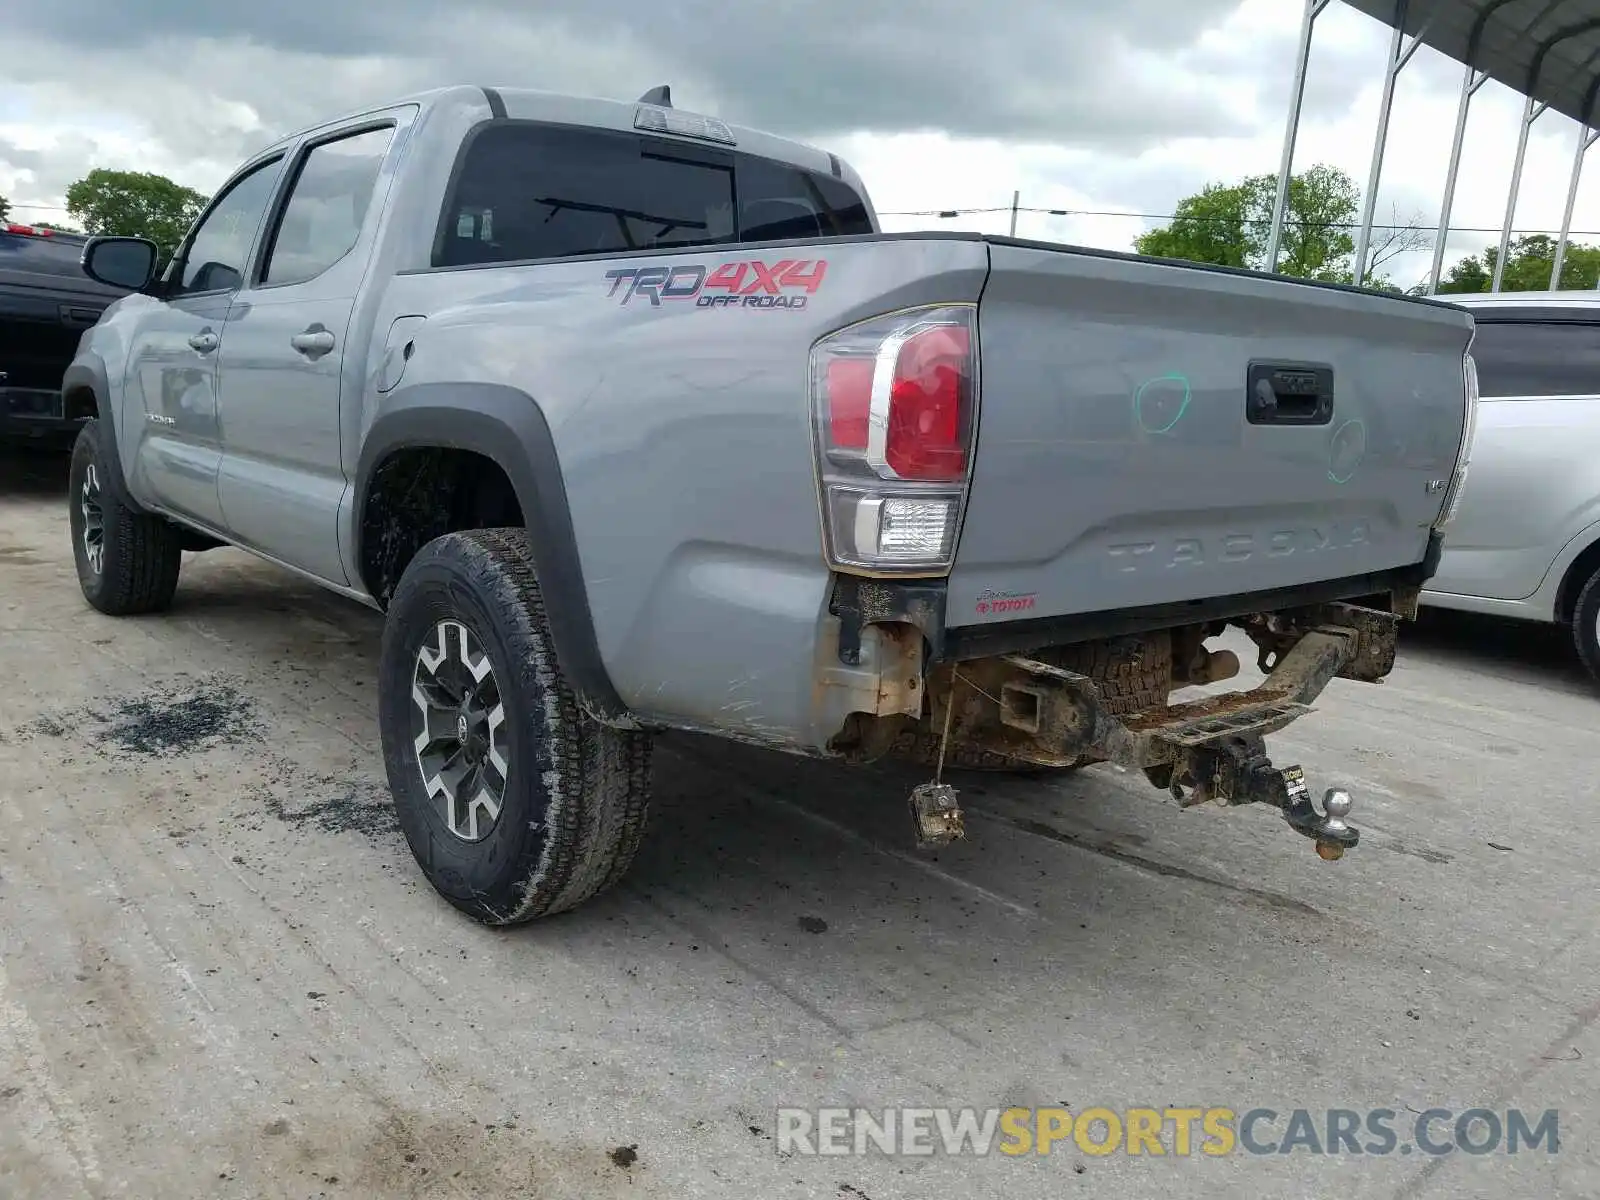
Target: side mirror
121	262
216	277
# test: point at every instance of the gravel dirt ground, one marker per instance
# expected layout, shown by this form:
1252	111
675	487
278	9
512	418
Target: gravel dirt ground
221	974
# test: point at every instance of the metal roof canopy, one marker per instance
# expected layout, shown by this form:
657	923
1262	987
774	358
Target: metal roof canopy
1548	50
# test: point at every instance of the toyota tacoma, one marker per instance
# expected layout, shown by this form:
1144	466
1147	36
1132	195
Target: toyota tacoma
631	421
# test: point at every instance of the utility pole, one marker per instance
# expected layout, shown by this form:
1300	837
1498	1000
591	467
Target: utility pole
1016	200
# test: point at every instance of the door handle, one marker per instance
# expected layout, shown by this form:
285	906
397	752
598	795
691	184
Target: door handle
1289	394
204	342
76	315
313	343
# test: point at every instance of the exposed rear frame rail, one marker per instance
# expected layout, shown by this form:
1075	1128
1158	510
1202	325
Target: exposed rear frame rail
1210	749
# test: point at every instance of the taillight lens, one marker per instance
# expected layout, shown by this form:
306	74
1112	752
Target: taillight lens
1469	433
895	404
929	401
849	385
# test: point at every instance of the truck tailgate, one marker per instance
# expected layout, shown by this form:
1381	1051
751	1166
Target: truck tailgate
1151	433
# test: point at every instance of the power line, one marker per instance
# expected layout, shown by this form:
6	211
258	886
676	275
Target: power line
983	210
1198	220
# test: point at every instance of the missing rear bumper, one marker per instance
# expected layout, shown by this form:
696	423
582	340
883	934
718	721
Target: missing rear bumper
1212	749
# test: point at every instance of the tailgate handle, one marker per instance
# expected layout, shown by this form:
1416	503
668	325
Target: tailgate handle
1289	394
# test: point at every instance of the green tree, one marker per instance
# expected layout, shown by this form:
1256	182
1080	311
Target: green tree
1318	223
1230	224
1212	226
59	228
134	204
1529	260
5	208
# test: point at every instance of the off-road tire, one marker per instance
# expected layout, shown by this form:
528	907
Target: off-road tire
140	552
576	792
1586	626
1133	674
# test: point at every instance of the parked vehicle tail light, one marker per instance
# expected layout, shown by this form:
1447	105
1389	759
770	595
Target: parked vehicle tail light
29	231
895	403
1469	432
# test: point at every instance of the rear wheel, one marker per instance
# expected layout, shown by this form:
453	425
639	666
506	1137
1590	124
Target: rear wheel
1586	625
1133	674
127	561
515	803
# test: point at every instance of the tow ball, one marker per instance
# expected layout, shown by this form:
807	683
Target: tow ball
1241	773
1328	828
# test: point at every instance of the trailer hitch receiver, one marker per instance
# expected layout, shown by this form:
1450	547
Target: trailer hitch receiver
1285	788
1329	829
1239	772
1208	749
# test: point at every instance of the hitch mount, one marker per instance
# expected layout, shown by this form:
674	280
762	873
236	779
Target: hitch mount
1211	749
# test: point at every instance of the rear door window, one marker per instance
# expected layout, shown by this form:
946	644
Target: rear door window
327	206
530	191
1537	358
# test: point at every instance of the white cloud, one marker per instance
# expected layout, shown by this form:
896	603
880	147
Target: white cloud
935	172
194	125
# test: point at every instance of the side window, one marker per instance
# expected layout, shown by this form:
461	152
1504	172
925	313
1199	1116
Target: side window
528	191
777	201
553	192
216	256
1529	358
327	206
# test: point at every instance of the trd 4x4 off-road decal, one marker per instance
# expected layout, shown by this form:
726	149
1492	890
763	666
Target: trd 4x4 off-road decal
749	283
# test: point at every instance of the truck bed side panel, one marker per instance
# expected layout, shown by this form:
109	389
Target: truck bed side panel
1115	466
684	436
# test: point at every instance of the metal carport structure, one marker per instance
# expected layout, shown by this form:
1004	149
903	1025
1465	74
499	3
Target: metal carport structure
1547	50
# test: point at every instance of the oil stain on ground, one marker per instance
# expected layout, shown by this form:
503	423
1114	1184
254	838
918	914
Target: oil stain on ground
45	726
179	718
362	808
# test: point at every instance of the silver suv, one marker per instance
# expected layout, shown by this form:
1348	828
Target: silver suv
1525	541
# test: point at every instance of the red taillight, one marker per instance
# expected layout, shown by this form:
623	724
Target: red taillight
850	401
895	403
927	402
29	230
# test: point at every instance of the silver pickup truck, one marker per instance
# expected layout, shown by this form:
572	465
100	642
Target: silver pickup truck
632	421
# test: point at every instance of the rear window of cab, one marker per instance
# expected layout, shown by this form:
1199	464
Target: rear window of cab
532	191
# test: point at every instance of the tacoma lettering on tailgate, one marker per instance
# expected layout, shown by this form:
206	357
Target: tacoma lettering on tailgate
1237	547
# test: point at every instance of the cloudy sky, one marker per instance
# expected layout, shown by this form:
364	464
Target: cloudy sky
1118	109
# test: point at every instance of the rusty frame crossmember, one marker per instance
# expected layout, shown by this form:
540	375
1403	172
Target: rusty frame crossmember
1210	749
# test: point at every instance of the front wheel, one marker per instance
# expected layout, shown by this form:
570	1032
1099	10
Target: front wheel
127	561
1586	626
515	803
